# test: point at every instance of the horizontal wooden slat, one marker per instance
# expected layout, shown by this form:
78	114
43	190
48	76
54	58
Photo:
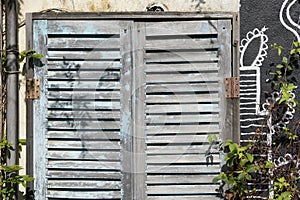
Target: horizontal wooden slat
79	54
186	197
83	65
182	98
86	124
69	174
182	78
55	184
53	164
83	27
84	135
180	149
186	169
111	42
78	194
87	85
82	116
182	179
84	145
183	108
185	87
179	44
182	189
181	28
82	155
72	104
182	67
73	95
155	139
204	56
161	119
181	158
84	74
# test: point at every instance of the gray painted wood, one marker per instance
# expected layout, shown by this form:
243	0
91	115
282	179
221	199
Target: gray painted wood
137	140
39	117
179	28
126	109
83	27
138	98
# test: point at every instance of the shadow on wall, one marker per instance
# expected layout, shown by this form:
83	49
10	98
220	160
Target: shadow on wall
197	4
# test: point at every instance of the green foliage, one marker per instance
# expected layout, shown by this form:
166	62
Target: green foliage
239	167
280	165
10	174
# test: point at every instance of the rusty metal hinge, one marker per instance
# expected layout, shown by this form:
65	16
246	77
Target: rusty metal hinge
232	87
32	88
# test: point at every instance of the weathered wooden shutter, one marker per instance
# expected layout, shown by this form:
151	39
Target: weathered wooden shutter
77	131
185	65
126	107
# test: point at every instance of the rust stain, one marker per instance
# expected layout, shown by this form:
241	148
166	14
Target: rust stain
105	5
92	7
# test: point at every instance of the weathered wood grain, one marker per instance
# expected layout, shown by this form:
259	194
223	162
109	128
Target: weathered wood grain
84	135
83	43
162	119
195	67
187	197
83	155
83	145
183	108
82	55
83	65
183	87
83	85
182	78
92	95
99	185
84	174
169	179
179	149
183	98
86	124
181	189
156	139
181	158
180	28
79	194
179	44
100	75
204	56
108	165
186	169
82	116
79	27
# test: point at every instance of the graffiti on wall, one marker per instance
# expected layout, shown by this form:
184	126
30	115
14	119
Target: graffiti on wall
250	81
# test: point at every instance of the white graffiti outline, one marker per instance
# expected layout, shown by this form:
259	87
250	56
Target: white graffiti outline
251	35
289	18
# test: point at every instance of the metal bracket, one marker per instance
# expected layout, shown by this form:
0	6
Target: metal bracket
32	88
232	87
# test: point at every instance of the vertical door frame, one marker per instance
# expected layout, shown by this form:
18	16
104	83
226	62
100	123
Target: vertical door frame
135	85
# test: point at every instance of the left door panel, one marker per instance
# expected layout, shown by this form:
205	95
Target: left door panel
78	142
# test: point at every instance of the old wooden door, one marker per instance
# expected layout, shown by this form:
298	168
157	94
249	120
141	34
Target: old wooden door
126	105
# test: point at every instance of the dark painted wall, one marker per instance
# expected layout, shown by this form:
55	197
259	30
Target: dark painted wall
257	14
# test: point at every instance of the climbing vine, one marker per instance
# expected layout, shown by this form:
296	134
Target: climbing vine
268	166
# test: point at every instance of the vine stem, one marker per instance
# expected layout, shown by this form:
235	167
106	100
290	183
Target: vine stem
270	156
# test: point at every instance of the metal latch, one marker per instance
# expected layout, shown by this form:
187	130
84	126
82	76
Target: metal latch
32	88
232	87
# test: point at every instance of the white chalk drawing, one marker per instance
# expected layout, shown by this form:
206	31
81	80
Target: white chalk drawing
262	52
250	81
287	6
